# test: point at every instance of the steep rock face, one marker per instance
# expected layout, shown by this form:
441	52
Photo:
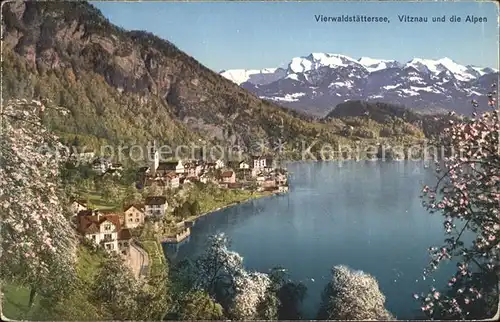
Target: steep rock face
74	38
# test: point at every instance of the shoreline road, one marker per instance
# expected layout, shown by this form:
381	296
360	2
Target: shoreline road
138	260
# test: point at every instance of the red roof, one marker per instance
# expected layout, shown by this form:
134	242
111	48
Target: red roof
227	174
171	175
124	234
91	224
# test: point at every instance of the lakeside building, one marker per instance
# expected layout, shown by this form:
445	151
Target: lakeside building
155	206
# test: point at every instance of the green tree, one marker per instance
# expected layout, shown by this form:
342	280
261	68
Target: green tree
194	208
183	211
110	192
114	289
121	296
153	299
195	306
132	196
76	142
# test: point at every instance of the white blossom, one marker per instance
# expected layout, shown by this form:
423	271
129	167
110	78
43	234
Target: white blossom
353	295
38	243
250	292
221	273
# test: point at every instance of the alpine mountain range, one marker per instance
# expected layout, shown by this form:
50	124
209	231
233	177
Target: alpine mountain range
316	83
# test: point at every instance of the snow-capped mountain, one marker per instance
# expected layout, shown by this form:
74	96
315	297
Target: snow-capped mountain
254	76
318	82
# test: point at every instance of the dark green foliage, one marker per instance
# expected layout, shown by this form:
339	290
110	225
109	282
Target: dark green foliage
289	294
484	307
184	211
195	306
194	208
397	119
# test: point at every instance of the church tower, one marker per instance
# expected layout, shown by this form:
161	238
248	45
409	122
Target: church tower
154	158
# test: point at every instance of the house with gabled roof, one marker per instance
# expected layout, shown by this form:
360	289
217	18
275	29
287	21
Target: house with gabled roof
77	206
244	165
172	179
155	206
219	164
228	177
261	162
101	229
165	167
133	215
193	169
101	164
124	238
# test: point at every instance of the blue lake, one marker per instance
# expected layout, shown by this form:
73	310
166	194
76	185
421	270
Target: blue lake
366	215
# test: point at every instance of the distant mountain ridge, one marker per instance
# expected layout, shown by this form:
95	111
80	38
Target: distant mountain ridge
318	82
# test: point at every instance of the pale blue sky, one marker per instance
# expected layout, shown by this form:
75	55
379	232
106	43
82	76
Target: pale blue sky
229	35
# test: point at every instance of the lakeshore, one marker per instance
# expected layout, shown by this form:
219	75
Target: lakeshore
322	222
191	221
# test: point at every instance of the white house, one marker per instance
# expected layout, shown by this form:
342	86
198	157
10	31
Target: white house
179	168
109	234
101	164
244	165
261	162
193	170
116	166
261	178
281	179
101	229
207	177
77	206
219	164
173	180
155	206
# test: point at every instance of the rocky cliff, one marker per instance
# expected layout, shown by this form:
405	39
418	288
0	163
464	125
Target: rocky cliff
128	85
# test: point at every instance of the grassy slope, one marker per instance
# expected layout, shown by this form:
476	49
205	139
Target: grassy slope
157	261
97	201
77	305
15	303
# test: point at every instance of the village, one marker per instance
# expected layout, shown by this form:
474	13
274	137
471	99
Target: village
139	229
